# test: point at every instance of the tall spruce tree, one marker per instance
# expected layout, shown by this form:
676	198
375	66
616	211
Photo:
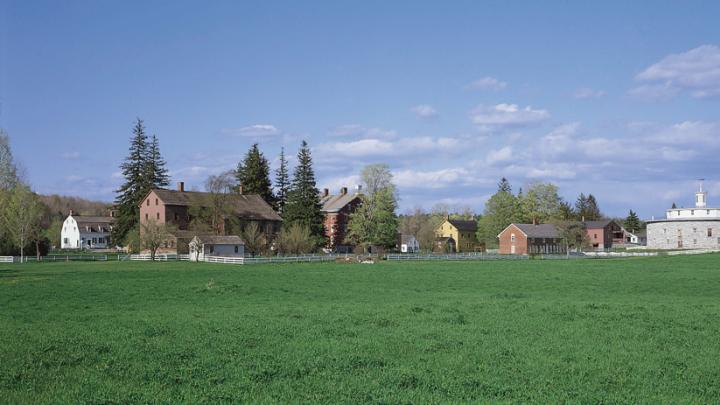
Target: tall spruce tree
143	170
282	183
593	210
132	191
632	222
303	205
253	175
155	171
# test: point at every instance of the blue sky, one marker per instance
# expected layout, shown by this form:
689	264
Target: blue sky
620	99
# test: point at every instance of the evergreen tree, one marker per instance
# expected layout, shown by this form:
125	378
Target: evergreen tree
674	206
632	222
504	186
303	205
282	183
253	175
134	170
567	212
155	172
581	206
593	210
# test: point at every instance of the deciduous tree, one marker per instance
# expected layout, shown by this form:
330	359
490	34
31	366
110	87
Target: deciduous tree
153	236
375	222
21	214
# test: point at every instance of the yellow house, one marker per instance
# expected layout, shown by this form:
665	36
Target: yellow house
458	235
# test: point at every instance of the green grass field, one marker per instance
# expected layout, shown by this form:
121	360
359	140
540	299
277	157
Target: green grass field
640	330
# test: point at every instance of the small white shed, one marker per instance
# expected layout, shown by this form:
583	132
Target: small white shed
219	246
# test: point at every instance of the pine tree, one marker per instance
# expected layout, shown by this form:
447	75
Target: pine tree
155	172
593	210
136	184
674	206
581	206
632	222
303	205
504	186
253	175
282	183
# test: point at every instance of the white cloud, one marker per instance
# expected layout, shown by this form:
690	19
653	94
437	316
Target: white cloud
654	92
500	155
360	148
424	111
257	130
487	83
432	179
359	131
587	93
507	115
71	155
697	71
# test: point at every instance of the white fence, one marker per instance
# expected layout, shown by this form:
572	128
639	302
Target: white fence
453	257
6	259
158	257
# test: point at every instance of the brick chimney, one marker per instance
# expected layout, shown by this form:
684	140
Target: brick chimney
326	192
71	212
181	186
343	190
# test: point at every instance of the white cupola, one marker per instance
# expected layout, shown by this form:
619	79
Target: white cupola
701	197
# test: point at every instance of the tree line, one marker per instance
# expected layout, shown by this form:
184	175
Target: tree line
295	198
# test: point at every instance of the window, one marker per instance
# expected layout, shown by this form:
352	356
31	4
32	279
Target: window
94	240
694	241
237	249
157	215
665	230
101	240
709	233
708	212
148	202
692	212
212	248
694	230
146	216
65	241
156	201
512	237
595	236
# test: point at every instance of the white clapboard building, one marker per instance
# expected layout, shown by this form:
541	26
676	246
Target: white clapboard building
85	232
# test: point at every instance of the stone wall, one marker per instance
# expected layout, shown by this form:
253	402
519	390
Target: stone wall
683	235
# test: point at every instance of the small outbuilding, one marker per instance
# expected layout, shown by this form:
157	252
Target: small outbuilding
409	244
212	245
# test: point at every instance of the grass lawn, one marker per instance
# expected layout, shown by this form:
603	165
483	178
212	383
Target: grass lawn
623	330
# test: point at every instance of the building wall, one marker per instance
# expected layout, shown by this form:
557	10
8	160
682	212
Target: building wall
152	208
506	241
335	224
690	213
683	235
70	235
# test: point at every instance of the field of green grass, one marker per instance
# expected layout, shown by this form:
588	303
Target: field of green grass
640	330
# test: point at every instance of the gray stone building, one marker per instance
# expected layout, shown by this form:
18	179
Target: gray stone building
686	228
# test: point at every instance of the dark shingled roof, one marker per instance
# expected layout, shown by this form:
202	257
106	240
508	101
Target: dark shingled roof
463	225
539	231
597	224
247	206
95	224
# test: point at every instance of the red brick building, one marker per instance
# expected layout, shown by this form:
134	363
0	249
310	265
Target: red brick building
523	239
604	233
173	207
337	209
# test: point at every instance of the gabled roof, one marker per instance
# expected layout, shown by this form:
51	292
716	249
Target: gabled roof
538	230
219	240
463	224
336	202
93	220
597	224
248	206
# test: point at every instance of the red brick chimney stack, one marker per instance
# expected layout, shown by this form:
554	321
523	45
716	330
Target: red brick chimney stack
343	190
181	186
326	192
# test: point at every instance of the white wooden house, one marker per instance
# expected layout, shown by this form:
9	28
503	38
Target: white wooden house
219	246
81	232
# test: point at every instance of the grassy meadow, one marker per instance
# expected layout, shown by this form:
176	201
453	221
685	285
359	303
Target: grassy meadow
640	330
